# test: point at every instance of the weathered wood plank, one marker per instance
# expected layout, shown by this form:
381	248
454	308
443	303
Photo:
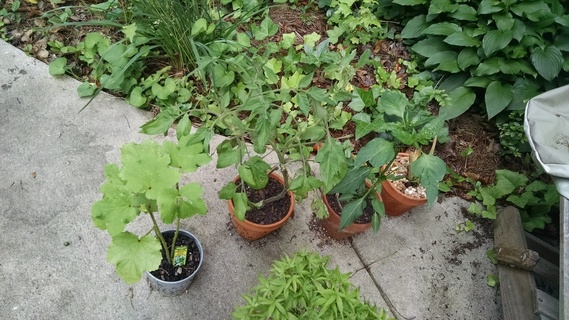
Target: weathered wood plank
546	251
564	260
517	286
547	305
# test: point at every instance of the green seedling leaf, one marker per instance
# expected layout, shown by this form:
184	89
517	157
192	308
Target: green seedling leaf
133	256
491	254
129	31
254	172
240	205
146	168
311	39
377	152
333	163
288	40
351	212
492	280
431	170
57	66
352	181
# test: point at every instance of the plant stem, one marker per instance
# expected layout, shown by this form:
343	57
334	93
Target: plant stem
160	237
174	240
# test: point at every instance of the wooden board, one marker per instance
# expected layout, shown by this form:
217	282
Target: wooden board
517	287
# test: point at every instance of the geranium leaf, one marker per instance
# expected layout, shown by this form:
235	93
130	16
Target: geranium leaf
133	256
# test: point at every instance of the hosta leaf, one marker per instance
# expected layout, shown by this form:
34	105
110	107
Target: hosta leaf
496	40
497	97
478	82
488	67
430	46
254	172
462	39
462	98
431	170
548	62
409	2
562	42
443	29
133	256
440	6
467	57
465	12
378	152
441	57
489	6
351	212
146	168
415	27
393	103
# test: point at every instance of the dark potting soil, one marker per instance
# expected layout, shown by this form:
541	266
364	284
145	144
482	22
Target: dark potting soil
271	212
168	272
364	218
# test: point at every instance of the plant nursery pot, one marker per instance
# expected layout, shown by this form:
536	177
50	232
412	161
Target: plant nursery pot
174	288
396	202
253	231
331	224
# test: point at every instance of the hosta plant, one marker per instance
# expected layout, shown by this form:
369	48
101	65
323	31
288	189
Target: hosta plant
147	182
302	287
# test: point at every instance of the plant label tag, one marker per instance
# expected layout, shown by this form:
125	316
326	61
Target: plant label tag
180	254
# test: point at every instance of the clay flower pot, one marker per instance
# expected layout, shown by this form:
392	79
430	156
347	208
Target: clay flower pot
331	224
253	231
396	202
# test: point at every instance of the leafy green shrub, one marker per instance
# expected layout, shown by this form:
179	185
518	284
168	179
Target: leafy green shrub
353	24
302	287
508	50
534	199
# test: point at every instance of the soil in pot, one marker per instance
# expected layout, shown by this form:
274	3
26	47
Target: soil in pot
271	212
168	272
364	218
411	189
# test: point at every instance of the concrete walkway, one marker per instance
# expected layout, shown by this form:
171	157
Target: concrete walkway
53	260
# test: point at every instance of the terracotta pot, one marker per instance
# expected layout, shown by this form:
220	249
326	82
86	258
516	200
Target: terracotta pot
396	203
331	224
253	231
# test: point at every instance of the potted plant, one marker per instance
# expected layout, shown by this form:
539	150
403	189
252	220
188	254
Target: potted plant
149	181
302	287
408	123
287	123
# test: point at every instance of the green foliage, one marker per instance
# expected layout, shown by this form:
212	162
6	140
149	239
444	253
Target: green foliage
353	24
148	181
504	52
534	199
302	287
512	135
9	14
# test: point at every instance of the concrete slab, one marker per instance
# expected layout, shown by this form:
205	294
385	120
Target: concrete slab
51	167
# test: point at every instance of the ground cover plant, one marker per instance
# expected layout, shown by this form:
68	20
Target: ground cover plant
245	56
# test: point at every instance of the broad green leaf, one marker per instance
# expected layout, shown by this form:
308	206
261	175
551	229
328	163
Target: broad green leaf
393	103
302	184
146	168
488	67
332	161
507	181
378	152
562	42
478	82
240	205
443	29
489	6
184	127
430	170
160	125
440	6
266	29
136	98
504	21
129	31
548	62
57	66
228	153
497	97
311	39
86	89
352	181
409	2
199	26
186	157
222	77
496	40
465	12
430	46
441	57
133	256
351	212
467	57
192	202
254	172
288	40
228	191
415	27
462	39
